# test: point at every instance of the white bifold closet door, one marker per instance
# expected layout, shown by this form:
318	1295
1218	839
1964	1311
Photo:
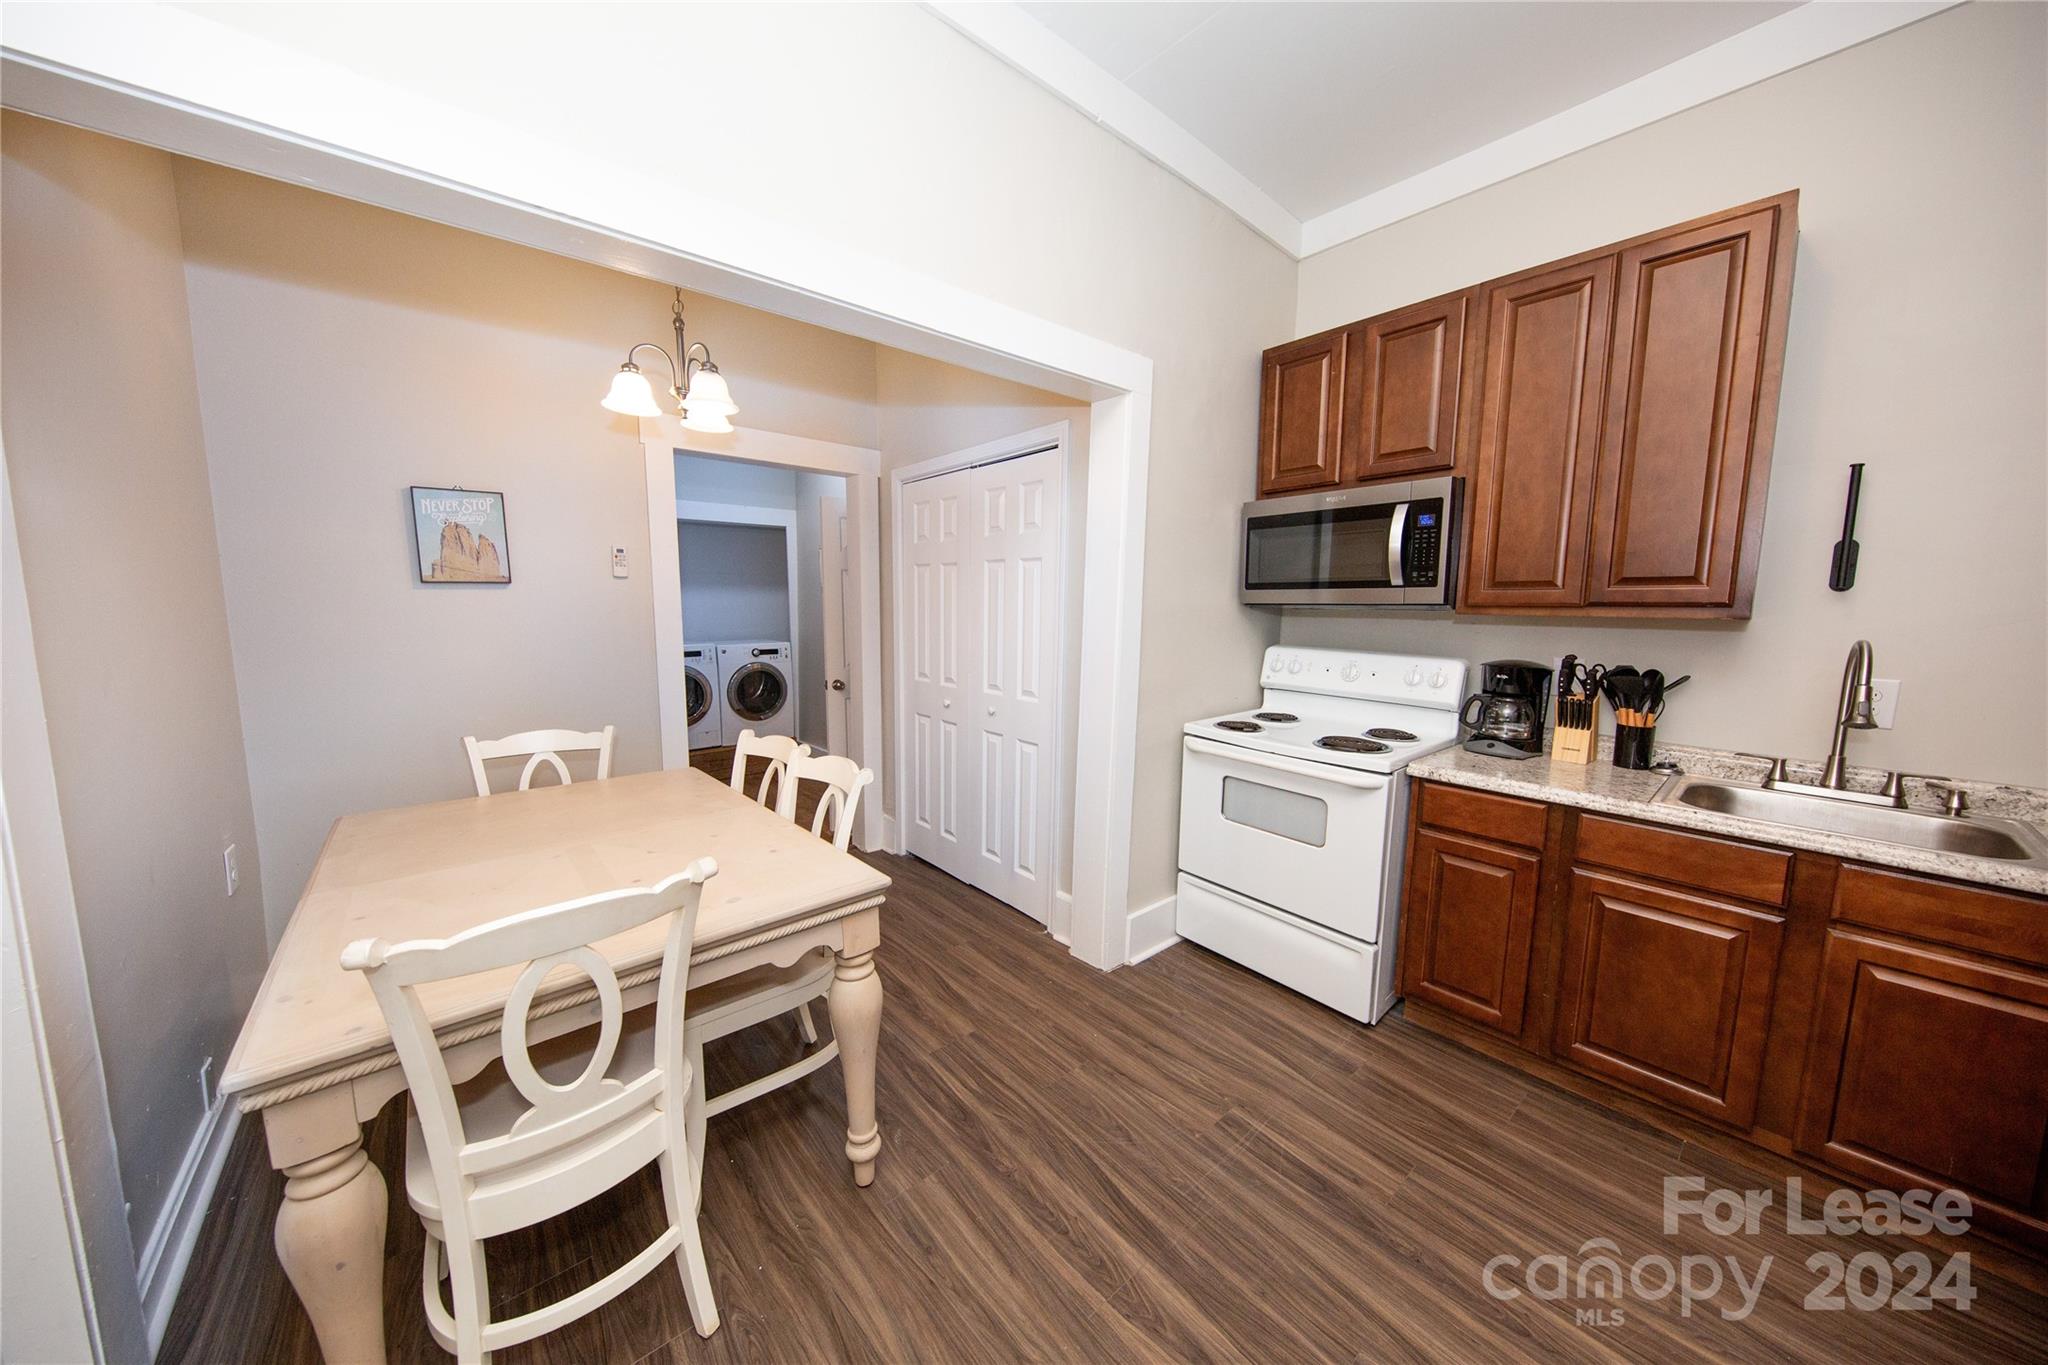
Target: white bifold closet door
983	562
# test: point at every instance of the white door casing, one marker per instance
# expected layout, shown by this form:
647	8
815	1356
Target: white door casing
832	548
940	767
979	549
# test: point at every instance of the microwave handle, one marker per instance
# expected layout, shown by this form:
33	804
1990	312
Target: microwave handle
1396	546
1321	772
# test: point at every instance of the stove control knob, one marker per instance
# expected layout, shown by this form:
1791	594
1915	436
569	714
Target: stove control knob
1294	665
1436	679
1351	673
1413	677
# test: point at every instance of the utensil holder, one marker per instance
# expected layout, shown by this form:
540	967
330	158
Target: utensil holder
1632	745
1578	743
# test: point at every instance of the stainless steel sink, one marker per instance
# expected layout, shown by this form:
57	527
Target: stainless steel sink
1974	837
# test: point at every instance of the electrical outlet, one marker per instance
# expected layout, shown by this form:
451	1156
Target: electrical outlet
1884	701
618	561
234	869
206	1084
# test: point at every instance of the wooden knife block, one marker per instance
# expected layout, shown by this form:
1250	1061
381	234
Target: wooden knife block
1570	745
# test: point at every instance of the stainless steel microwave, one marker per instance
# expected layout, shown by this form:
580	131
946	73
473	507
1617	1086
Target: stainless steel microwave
1387	545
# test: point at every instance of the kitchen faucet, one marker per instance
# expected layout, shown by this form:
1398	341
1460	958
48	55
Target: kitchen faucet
1852	711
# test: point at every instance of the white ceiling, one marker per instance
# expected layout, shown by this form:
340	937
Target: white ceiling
1316	122
1321	104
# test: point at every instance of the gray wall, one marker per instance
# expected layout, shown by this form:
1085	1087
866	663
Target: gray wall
735	581
103	440
1918	344
345	353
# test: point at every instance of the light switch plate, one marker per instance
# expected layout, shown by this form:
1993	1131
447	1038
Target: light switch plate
618	561
1884	701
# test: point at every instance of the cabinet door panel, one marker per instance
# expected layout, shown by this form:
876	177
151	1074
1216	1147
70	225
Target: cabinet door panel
1465	936
1538	438
1683	391
1401	391
1669	993
1930	1068
1301	415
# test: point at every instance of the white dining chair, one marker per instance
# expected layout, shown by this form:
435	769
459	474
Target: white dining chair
538	747
844	780
516	1146
778	750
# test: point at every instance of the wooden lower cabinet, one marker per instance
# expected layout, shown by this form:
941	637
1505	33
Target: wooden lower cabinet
1669	993
1465	941
1929	1068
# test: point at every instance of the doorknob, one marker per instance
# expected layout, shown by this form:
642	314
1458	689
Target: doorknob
991	710
838	684
947	704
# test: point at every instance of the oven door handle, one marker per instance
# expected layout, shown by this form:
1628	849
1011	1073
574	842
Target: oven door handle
1321	772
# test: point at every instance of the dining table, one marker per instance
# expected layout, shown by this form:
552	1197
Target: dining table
315	1056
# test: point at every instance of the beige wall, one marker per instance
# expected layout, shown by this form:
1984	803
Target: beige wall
928	409
103	440
881	129
346	353
1918	343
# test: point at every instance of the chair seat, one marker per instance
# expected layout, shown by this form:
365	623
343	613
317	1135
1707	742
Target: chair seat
491	1104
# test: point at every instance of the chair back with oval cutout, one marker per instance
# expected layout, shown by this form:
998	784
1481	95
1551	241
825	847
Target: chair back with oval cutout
843	779
538	747
778	750
495	1184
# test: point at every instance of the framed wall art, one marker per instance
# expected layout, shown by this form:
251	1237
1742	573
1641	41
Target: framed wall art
459	534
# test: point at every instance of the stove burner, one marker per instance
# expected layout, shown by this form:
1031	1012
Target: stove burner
1242	727
1351	744
1389	732
1277	717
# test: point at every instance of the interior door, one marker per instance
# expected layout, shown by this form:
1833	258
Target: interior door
832	557
943	764
1013	546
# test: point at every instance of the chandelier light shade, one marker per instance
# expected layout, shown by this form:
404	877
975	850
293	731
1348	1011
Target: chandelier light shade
701	394
631	394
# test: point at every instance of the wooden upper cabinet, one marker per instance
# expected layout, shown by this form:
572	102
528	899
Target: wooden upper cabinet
1691	399
1301	415
1401	391
1668	992
1537	431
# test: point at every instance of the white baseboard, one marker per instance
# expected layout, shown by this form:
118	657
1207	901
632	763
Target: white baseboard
1152	930
161	1267
891	841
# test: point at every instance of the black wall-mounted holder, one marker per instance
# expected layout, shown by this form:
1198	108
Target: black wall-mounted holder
1842	570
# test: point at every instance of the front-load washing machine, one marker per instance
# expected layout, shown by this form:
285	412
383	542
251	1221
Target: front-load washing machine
700	691
757	689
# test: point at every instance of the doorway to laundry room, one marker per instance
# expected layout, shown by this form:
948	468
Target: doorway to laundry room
762	569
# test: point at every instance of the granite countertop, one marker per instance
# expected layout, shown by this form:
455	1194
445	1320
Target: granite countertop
1600	786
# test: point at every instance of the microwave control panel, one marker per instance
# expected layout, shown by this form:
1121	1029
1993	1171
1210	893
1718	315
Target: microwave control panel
1424	543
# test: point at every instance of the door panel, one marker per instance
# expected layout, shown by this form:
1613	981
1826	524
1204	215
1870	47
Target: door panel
1470	906
1669	993
1930	1067
1681	408
832	583
1538	438
946	784
1401	391
1301	415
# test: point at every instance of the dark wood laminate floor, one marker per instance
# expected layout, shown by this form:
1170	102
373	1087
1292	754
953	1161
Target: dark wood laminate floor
1176	1161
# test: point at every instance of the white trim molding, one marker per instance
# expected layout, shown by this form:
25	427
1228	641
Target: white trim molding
1793	39
1153	929
160	1270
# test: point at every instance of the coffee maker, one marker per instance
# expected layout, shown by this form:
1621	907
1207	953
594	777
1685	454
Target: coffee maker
1505	716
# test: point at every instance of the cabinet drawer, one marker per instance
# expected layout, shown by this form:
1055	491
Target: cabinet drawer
1689	860
1503	819
1963	916
1668	993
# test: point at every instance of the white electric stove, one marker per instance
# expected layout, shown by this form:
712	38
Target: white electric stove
1293	818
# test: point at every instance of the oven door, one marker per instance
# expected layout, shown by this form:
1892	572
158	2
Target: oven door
1309	838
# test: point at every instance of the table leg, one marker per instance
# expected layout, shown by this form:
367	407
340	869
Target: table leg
855	1005
330	1229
